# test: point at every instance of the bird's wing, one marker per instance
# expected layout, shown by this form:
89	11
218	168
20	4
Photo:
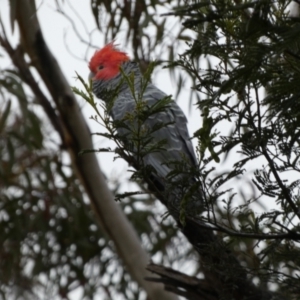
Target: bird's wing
175	133
178	143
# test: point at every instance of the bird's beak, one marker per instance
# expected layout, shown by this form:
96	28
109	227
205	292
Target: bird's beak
91	76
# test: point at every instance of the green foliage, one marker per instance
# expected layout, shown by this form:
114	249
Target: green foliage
250	87
87	94
245	63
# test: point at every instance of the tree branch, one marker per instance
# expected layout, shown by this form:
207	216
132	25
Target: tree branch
227	278
78	137
284	189
188	286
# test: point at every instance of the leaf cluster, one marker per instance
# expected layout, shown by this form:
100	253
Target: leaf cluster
245	60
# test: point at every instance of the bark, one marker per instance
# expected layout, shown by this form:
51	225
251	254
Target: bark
224	275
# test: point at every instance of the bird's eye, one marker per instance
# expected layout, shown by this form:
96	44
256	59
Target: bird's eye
100	67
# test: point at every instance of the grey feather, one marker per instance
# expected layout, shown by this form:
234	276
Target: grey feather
178	145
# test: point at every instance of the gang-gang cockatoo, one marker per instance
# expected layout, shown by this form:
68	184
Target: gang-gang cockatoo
106	77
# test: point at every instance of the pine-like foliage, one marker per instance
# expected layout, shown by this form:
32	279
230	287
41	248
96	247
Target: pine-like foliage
245	61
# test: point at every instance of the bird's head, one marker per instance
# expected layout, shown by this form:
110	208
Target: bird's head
105	63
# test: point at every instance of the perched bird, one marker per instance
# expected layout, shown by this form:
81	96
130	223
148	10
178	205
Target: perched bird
106	77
